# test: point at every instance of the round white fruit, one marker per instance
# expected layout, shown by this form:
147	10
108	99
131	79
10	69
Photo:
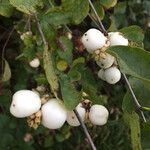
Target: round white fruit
25	103
93	39
112	75
35	63
116	38
71	117
106	61
98	115
69	35
101	74
54	114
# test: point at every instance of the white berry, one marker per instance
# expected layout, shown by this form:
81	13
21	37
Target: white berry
69	35
25	103
106	62
71	117
54	114
93	39
35	63
98	115
112	75
116	38
101	74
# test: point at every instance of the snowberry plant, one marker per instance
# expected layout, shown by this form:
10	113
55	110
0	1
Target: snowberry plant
107	62
63	69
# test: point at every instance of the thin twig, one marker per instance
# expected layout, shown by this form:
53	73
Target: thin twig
67	28
139	107
98	18
4	47
51	4
40	30
94	21
53	81
2	36
28	24
137	104
85	130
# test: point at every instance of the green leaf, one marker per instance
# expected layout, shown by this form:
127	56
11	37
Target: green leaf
145	131
133	61
127	104
77	9
133	122
142	95
120	8
6	9
40	79
108	3
48	30
133	33
79	60
99	9
26	6
119	15
55	18
72	11
49	71
70	95
89	86
113	26
74	75
7	72
65	52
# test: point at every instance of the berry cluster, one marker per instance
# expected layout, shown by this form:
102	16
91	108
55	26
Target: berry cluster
52	112
96	114
96	43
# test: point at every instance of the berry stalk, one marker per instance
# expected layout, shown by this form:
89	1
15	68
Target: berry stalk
85	130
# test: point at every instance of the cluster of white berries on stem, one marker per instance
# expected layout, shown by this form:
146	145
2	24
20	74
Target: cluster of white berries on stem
96	43
52	113
96	114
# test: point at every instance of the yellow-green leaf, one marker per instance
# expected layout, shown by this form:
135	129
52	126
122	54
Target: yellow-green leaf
108	3
26	6
6	9
7	72
49	71
133	122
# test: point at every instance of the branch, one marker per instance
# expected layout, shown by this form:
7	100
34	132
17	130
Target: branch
137	104
94	21
98	18
139	107
4	47
40	30
48	64
85	130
